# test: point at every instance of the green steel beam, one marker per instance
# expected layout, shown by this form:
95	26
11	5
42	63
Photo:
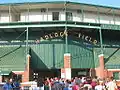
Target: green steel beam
9	13
27	51
66	40
50	25
83	26
98	13
82	11
66	36
28	11
113	12
101	41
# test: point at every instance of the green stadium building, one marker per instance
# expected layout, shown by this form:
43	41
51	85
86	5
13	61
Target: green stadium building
59	38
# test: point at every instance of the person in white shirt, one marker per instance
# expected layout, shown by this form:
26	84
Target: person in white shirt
100	86
111	85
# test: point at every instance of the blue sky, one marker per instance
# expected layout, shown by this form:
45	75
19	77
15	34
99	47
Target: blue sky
112	3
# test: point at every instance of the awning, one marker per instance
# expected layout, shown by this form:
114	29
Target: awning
5	72
12	58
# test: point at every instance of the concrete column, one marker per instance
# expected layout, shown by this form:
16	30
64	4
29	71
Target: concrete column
67	66
62	73
100	69
26	74
0	78
67	60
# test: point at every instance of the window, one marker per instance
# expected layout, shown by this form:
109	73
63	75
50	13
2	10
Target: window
69	16
43	9
55	15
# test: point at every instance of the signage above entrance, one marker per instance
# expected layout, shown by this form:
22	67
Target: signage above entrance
65	33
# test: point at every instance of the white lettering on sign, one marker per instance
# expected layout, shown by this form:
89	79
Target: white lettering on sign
65	33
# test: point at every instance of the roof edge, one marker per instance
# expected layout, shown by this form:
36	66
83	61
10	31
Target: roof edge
58	2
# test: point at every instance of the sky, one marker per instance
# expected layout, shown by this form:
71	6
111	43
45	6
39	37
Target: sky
111	3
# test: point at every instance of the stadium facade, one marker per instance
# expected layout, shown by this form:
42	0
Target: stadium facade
60	38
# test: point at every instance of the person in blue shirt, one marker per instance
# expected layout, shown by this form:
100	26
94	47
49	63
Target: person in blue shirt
16	85
7	85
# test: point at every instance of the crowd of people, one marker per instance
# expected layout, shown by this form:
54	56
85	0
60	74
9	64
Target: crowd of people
83	83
